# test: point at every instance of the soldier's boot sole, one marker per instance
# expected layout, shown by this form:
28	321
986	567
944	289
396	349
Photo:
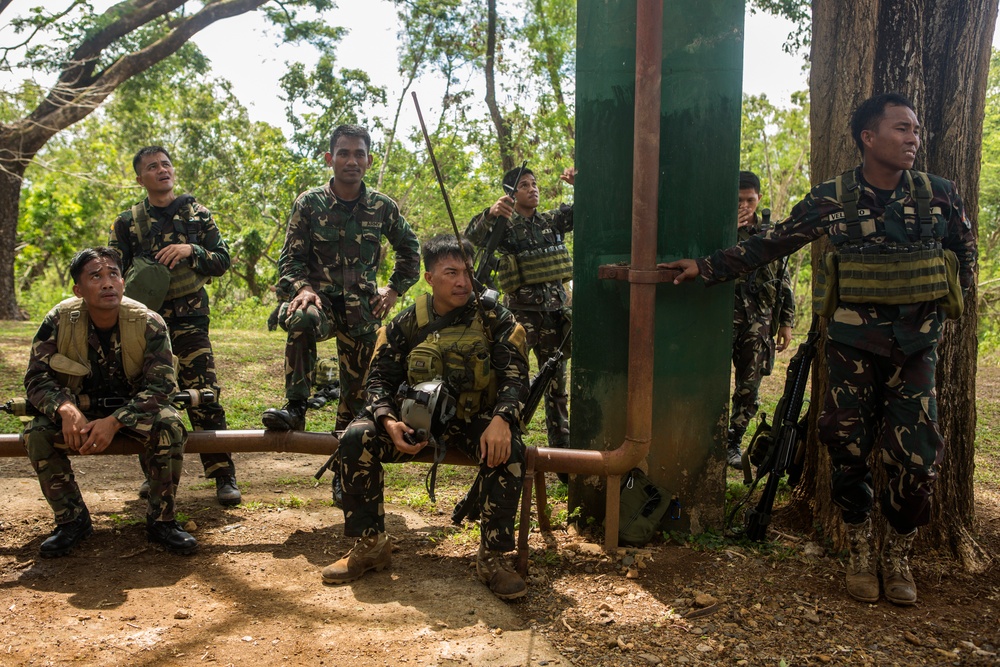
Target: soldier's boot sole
863	586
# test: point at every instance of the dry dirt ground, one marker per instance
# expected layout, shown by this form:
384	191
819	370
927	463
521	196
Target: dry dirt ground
252	595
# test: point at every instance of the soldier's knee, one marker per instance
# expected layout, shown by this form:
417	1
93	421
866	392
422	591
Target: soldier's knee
354	439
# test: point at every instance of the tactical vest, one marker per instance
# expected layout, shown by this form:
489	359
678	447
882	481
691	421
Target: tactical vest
72	359
184	279
459	355
535	259
890	273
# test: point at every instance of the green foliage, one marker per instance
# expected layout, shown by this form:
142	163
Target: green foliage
799	12
989	215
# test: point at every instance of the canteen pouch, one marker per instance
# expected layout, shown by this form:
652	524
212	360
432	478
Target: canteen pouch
147	281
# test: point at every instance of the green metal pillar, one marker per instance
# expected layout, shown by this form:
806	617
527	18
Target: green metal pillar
699	161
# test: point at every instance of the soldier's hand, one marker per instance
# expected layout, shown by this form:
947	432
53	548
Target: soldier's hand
73	422
174	253
744	216
784	339
494	445
99	434
383	302
568	175
306	297
687	267
396	430
503	208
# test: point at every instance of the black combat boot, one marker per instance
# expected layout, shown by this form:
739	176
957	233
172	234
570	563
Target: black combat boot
170	534
226	490
734	457
67	535
292	417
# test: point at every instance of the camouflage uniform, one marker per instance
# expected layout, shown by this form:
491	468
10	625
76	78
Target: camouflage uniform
881	357
187	317
337	252
365	445
148	417
763	303
543	309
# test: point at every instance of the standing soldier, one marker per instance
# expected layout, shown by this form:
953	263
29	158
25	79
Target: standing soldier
485	373
903	256
763	299
328	269
105	348
179	233
534	265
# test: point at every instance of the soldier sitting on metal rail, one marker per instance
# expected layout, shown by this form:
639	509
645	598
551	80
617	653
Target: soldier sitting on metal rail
103	345
480	358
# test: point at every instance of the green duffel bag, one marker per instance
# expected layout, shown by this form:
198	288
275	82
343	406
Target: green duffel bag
147	281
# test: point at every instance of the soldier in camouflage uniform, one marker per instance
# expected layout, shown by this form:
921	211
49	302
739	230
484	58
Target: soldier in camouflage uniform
328	269
764	306
103	347
881	355
487	432
180	233
537	295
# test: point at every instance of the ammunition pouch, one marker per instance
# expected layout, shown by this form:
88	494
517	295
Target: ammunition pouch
542	265
147	281
891	274
953	302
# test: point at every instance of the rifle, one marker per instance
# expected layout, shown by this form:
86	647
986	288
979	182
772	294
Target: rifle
485	260
468	507
789	430
189	398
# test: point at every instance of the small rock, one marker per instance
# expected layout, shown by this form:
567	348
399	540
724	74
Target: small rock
812	550
247	638
704	648
632	573
620	590
810	616
182	613
590	549
190	526
704	600
650	658
825	658
628	560
606	607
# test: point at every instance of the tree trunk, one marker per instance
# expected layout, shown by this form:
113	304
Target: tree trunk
936	52
502	128
11	174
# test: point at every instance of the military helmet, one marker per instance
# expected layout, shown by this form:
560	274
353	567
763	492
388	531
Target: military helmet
427	407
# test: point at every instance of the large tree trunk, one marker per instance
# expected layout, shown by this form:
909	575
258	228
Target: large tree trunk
936	52
11	175
502	127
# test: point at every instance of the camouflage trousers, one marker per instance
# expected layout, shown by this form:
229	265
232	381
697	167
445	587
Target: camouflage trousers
365	447
544	332
753	356
196	370
354	354
892	399
162	457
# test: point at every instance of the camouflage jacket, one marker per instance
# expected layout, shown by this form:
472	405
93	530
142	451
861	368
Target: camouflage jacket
149	395
508	357
337	251
210	254
872	327
544	228
763	296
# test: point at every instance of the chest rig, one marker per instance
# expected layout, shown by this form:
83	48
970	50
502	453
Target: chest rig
460	356
893	272
533	254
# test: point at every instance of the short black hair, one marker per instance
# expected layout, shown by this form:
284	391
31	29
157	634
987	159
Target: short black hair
871	111
87	255
511	178
148	150
351	131
749	181
444	245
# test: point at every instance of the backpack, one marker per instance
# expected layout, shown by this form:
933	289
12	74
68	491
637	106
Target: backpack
643	507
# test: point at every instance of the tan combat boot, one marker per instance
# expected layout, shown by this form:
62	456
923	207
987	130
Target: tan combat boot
896	577
862	580
373	552
494	571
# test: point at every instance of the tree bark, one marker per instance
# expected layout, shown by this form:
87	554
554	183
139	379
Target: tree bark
936	52
502	128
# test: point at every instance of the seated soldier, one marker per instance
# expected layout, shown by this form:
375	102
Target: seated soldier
481	358
103	346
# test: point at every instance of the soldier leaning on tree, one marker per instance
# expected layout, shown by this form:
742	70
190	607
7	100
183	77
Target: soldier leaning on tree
103	346
763	308
904	255
534	264
180	234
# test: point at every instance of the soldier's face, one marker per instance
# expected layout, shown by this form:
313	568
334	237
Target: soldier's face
748	200
450	284
101	284
894	141
526	194
350	160
156	173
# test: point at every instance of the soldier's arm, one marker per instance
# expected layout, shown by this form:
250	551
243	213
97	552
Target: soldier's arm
211	256
406	271
388	366
293	263
157	382
42	388
478	229
562	218
509	358
961	241
120	239
786	300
